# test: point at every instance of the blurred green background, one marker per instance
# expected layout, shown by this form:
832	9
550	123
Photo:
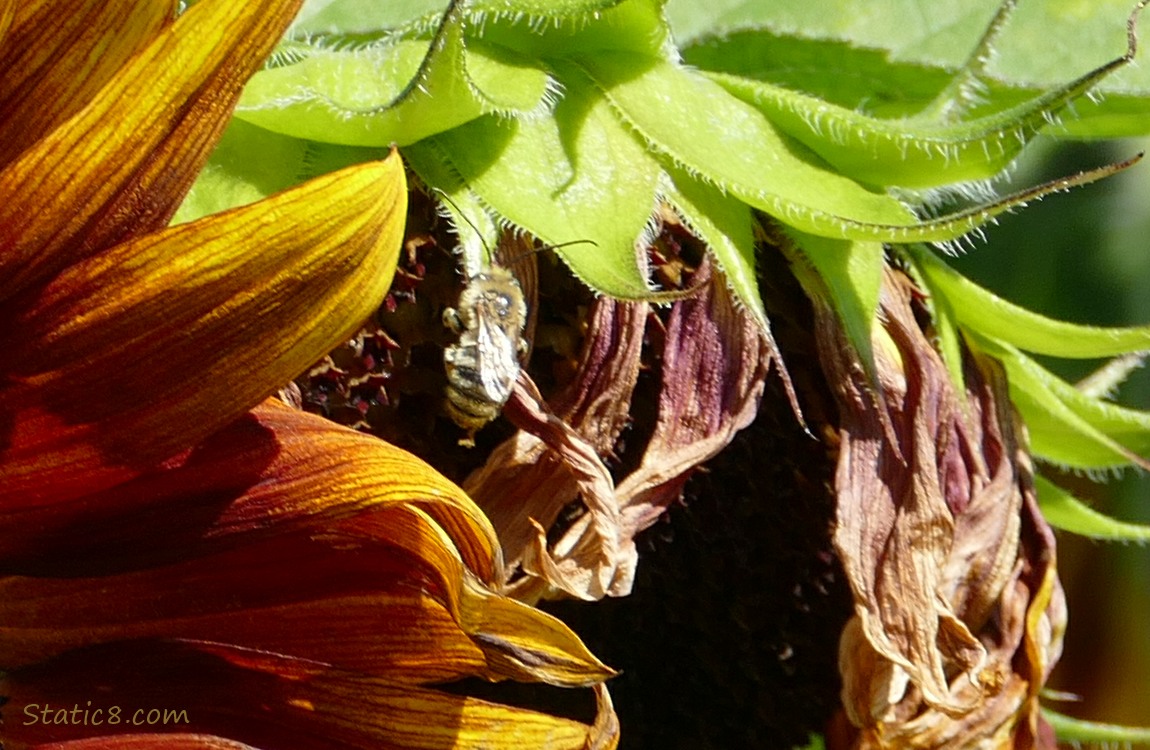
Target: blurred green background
1085	257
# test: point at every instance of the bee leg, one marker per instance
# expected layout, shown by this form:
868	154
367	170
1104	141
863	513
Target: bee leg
452	321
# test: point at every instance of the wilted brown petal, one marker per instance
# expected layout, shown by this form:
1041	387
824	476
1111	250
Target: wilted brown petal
715	361
958	613
529	479
714	365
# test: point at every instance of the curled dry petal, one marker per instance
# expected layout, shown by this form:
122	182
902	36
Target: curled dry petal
938	532
528	480
127	357
269	700
714	365
591	571
715	361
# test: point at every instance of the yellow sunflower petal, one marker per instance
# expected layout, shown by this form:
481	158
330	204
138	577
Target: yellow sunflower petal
525	644
133	355
59	53
120	166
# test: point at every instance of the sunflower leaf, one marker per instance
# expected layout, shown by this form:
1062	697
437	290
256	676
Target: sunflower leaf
372	96
909	152
901	54
1067	426
577	176
979	310
1066	512
250	164
852	275
725	224
1074	730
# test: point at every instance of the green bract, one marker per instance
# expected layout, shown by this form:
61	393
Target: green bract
530	105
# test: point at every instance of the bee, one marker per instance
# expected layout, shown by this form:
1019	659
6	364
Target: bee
495	326
482	367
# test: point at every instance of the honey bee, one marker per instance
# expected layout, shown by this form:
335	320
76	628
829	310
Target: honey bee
482	368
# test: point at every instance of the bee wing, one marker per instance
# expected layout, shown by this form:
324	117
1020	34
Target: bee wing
518	255
497	361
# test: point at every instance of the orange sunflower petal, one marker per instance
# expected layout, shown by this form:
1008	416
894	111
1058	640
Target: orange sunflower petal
120	166
59	53
145	742
271	701
272	472
328	554
7	12
371	608
133	355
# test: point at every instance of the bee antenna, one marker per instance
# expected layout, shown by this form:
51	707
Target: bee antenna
463	216
532	251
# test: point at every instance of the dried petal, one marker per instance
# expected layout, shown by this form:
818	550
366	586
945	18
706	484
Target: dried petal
715	361
939	536
531	478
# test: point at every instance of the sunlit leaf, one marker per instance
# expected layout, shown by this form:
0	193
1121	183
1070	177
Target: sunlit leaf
980	310
1066	512
250	164
1067	426
851	273
366	97
725	223
909	152
579	176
